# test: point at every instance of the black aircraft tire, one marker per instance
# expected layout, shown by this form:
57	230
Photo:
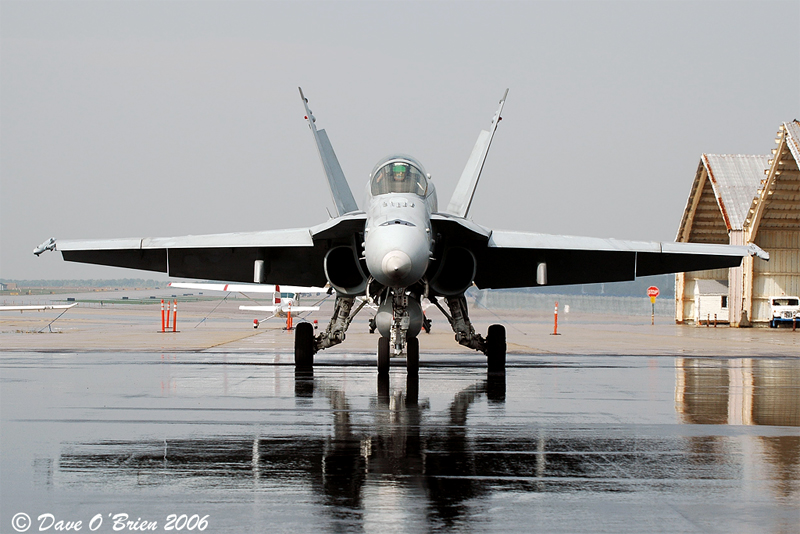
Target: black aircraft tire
412	355
304	346
383	355
496	348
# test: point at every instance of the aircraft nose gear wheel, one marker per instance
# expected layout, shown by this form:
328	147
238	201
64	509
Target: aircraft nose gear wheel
383	355
412	356
496	348
304	346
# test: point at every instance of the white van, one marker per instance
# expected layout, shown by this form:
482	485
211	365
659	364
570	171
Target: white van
784	310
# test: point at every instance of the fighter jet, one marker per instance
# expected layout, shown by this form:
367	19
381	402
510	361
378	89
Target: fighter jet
399	249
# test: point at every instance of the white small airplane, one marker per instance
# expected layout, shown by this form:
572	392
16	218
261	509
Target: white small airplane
38	308
285	299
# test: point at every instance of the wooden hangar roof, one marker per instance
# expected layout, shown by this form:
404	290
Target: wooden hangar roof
777	202
722	193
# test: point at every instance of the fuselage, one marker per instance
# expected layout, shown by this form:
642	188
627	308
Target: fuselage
398	241
283	303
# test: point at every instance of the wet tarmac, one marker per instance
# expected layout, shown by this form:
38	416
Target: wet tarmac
224	441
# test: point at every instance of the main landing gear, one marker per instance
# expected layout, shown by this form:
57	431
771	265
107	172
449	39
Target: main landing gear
396	325
496	349
306	345
493	346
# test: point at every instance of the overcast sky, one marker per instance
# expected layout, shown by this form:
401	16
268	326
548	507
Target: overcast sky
134	119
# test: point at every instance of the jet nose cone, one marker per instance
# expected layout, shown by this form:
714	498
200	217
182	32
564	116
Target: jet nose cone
396	265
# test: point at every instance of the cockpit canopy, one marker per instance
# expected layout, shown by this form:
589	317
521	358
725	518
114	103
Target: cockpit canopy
399	175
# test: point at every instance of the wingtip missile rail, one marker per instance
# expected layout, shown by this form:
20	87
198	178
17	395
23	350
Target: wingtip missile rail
50	244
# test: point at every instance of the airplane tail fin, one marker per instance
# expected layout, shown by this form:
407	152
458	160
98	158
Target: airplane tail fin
461	200
276	296
340	190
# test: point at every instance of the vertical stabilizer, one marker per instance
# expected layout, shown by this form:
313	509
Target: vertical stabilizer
461	200
340	190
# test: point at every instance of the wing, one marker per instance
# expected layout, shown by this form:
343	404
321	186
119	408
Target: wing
541	259
273	309
268	309
465	188
247	288
38	308
293	256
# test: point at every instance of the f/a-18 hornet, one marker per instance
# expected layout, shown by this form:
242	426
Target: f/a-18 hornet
400	248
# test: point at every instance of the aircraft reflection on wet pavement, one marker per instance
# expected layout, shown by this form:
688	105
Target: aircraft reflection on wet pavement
743	391
453	467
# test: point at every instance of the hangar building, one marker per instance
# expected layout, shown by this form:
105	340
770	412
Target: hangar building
741	199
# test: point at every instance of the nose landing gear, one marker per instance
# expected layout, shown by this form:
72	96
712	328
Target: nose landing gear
412	356
383	355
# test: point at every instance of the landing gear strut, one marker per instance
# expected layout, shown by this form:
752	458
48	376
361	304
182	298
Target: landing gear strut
493	346
306	345
426	324
399	320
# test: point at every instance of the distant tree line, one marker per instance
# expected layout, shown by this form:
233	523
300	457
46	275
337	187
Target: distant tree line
635	288
117	282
